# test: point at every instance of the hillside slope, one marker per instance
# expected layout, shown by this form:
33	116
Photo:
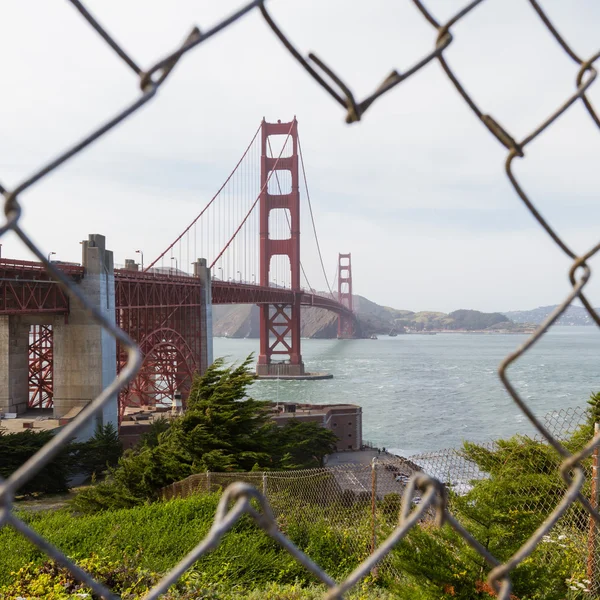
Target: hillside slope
240	321
574	315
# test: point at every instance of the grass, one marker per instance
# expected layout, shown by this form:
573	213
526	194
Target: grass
311	592
160	534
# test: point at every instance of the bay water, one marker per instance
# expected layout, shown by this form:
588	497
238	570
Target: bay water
423	393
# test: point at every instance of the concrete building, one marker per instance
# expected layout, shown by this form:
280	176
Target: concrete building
345	420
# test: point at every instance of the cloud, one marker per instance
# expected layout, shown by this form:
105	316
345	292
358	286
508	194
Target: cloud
417	191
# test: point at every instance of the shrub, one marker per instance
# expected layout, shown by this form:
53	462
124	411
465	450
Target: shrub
54	582
100	452
222	430
94	456
17	448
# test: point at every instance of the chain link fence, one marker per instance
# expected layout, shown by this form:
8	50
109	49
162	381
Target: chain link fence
238	497
359	503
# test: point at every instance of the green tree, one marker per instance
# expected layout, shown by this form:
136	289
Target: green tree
151	438
522	486
222	429
100	452
16	448
93	456
303	445
594	409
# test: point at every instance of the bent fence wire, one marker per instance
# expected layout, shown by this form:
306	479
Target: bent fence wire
238	497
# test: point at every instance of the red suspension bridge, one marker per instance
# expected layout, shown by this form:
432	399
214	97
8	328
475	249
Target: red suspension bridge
249	237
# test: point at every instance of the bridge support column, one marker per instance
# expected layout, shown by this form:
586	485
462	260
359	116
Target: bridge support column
14	364
202	271
346	325
280	323
84	353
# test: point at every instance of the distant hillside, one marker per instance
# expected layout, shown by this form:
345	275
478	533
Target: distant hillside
574	315
239	321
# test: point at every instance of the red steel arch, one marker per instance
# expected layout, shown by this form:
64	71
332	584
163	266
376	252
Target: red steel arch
162	313
168	366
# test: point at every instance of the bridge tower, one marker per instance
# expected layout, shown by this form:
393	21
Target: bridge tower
280	323
345	323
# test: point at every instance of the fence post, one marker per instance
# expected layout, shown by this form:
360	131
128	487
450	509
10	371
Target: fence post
374	510
208	481
593	529
264	484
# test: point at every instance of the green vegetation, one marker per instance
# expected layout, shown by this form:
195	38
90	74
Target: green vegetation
502	512
153	538
135	539
468	320
94	456
474	319
222	430
16	448
303	445
100	452
132	583
129	549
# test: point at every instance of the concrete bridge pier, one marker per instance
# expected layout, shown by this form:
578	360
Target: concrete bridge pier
202	271
14	364
85	359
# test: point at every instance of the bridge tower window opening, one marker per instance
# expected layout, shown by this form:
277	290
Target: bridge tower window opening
280	144
280	183
279	272
279	224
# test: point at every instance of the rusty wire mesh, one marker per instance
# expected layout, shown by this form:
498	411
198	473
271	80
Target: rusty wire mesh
359	503
432	493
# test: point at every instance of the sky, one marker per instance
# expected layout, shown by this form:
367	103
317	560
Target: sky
416	191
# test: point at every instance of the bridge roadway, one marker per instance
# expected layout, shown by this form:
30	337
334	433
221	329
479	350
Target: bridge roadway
26	288
50	345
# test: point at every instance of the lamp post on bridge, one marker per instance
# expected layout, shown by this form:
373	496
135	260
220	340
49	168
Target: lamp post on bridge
253	278
221	269
50	254
240	276
142	257
174	258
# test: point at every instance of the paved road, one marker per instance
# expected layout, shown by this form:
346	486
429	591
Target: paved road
358	476
358	457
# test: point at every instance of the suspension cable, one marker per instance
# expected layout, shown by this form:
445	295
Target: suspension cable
265	186
209	204
337	270
312	218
